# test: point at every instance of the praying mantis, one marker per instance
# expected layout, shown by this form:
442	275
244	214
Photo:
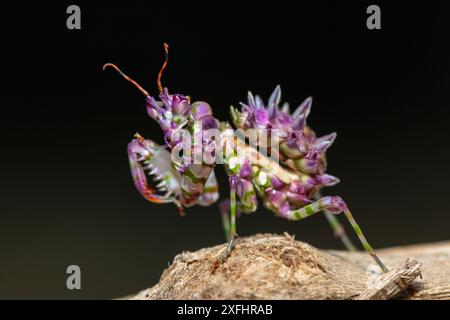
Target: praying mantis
288	182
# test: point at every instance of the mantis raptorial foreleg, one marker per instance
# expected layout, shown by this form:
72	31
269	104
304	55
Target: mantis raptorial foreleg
145	155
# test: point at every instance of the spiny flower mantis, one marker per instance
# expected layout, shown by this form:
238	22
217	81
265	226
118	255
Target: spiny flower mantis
288	182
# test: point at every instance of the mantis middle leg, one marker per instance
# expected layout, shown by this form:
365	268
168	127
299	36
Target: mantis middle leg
242	199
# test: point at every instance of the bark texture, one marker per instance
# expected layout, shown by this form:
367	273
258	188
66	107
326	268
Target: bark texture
267	266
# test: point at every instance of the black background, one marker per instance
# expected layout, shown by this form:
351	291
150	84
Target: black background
66	192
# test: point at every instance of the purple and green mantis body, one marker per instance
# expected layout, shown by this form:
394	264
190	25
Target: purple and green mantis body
289	187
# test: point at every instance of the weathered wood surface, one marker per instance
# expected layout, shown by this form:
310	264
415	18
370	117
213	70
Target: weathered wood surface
267	266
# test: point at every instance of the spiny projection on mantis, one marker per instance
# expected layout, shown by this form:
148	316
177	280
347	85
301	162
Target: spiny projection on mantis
289	187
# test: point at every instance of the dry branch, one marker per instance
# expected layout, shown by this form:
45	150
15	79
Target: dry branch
269	266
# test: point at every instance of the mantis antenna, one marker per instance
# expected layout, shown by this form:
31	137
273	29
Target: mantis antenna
106	65
161	71
137	85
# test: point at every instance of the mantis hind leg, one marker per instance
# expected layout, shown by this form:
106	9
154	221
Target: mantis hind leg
337	227
335	205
